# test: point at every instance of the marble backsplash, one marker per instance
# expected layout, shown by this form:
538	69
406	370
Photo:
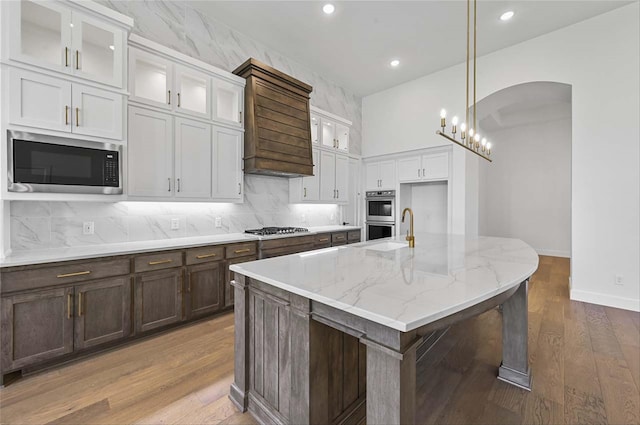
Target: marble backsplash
177	25
42	225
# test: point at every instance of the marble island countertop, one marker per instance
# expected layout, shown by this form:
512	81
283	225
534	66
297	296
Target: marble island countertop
389	283
22	258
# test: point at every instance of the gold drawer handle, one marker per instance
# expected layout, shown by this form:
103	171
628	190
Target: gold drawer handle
240	251
200	257
155	263
74	274
339	238
69	302
323	239
79	304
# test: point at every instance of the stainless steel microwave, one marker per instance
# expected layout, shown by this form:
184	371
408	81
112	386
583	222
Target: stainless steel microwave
40	163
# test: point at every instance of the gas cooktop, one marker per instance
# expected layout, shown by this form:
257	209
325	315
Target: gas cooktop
266	231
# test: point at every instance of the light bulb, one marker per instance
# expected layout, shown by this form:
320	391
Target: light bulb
484	141
488	145
454	120
477	137
471	132
463	127
443	113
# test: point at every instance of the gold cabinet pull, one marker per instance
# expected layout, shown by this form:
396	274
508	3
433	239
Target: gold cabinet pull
77	117
323	240
155	263
66	56
77	59
200	257
240	251
66	115
73	274
169	102
79	304
339	238
69	302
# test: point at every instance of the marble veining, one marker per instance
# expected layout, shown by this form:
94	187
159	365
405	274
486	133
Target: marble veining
402	288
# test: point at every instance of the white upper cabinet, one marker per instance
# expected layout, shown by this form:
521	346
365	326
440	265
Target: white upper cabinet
328	134
98	50
39	101
45	102
192	159
426	167
342	178
227	164
150	79
192	92
342	137
96	112
150	152
315	129
327	176
51	35
380	175
228	102
311	184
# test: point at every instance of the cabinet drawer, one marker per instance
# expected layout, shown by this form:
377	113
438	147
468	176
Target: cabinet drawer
205	254
323	239
62	273
164	260
240	250
287	241
286	250
353	236
339	238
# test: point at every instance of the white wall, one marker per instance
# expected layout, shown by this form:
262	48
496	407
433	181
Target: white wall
599	59
526	192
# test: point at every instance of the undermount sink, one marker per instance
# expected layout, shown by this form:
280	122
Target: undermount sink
387	246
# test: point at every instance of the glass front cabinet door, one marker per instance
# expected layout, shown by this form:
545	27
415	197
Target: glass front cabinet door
329	134
49	35
192	92
228	102
150	79
315	124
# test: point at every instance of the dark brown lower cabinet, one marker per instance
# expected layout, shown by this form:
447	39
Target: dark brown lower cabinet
158	299
103	311
204	292
36	327
228	289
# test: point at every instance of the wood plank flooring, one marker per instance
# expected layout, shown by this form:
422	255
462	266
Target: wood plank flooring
585	361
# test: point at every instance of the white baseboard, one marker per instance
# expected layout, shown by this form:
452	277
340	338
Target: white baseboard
553	253
604	299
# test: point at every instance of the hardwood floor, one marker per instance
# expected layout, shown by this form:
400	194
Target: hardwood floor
585	361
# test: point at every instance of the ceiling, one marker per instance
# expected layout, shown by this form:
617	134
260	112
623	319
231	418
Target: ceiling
353	46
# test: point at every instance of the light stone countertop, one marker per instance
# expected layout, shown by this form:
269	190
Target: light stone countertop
402	288
22	258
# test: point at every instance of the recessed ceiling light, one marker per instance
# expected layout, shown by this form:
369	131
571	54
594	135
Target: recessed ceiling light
507	15
112	47
394	63
328	8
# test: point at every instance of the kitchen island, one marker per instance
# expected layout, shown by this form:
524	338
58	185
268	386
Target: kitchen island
330	336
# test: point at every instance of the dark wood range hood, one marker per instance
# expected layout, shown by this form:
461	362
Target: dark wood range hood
277	139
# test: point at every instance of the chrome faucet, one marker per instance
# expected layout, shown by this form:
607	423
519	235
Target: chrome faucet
410	237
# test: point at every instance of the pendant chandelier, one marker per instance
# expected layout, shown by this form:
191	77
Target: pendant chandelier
470	139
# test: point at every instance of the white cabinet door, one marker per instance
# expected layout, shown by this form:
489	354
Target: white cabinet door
409	169
342	137
39	101
315	129
311	185
96	112
327	176
150	149
227	164
150	79
193	92
228	102
192	159
372	176
98	50
388	175
435	166
40	34
328	133
342	178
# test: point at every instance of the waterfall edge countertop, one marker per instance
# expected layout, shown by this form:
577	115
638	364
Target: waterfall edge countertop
403	288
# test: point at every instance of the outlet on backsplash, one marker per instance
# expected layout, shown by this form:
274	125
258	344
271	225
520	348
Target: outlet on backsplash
175	224
88	228
218	222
